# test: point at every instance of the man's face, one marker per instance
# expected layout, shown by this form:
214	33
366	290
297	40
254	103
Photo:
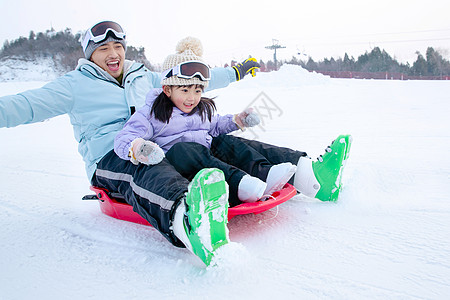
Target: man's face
110	57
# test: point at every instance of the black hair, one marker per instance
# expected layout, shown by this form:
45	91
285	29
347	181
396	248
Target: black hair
162	107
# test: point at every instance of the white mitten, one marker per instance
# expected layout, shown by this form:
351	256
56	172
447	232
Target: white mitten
247	118
145	152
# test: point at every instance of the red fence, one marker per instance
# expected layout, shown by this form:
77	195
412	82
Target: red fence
379	75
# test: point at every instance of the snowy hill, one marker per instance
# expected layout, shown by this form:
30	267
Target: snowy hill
386	238
21	69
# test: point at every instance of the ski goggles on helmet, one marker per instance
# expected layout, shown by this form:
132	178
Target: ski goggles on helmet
100	31
188	70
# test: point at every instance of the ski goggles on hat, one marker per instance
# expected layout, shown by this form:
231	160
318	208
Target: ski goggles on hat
100	31
188	70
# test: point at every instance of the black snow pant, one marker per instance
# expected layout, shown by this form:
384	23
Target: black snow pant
155	191
227	147
196	157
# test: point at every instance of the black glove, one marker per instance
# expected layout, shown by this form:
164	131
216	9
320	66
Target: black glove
247	66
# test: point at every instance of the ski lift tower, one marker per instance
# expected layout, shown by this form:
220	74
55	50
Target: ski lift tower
275	46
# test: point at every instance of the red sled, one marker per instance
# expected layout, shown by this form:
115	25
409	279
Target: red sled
115	206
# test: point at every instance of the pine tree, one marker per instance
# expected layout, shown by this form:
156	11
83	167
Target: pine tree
348	64
420	66
311	65
436	64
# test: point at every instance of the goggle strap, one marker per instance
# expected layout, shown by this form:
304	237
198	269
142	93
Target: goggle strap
166	73
87	38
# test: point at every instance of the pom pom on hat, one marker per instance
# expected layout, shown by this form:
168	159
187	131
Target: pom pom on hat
189	48
190	43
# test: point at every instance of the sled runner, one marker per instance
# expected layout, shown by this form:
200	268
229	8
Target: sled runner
114	205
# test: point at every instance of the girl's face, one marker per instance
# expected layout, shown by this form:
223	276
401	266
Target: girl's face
185	98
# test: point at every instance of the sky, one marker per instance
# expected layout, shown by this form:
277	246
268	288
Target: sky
234	30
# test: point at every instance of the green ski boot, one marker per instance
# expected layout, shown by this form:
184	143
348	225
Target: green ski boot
321	179
206	214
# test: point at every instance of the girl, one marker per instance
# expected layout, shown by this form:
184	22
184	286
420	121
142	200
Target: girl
178	118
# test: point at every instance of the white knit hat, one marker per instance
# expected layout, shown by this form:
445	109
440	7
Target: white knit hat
187	49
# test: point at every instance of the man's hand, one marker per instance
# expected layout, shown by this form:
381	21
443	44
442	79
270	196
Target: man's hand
247	66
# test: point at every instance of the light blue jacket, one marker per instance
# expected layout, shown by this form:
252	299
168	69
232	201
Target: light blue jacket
98	106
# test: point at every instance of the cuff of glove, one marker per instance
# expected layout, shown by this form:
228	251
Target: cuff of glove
131	152
238	74
238	122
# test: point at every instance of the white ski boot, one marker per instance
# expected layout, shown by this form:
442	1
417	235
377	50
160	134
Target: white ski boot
251	189
278	176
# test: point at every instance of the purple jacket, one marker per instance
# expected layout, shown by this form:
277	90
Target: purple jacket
181	128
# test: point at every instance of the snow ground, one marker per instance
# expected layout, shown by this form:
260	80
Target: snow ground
386	238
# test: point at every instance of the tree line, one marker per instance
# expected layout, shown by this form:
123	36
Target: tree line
64	48
377	60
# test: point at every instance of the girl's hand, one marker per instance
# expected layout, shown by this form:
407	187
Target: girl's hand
247	118
145	152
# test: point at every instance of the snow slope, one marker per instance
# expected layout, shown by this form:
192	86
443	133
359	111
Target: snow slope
386	238
20	69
